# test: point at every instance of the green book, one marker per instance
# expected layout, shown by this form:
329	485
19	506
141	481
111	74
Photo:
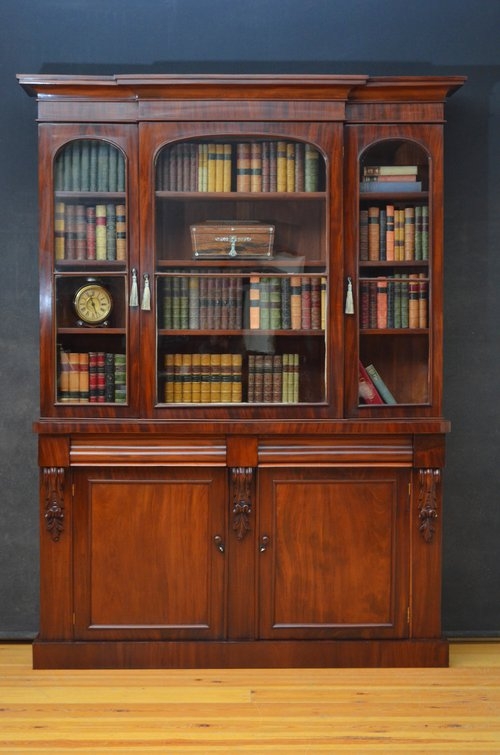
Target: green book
380	385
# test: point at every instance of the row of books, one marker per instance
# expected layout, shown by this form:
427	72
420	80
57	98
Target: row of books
289	303
400	301
217	378
92	377
90	165
90	232
372	389
258	302
392	233
389	178
203	378
198	302
273	378
257	166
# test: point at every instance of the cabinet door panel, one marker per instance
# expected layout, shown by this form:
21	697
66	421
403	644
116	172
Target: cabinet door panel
146	562
335	564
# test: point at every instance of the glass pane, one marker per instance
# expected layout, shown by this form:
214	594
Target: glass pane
241	273
90	248
394	274
90	210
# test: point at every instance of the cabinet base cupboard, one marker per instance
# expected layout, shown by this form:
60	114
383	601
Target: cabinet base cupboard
240	436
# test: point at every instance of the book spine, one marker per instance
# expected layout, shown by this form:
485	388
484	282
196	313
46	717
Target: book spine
409	233
300	166
120	378
373	233
206	379
256	167
316	315
324	302
236	378
109	377
281	167
186	378
243	167
277	379
169	371
266	167
90	233
290	167
380	385
389	235
305	303
295	302
196	378
93	160
285	379
121	233
93	377
286	315
102	167
273	166
251	379
368	394
63	382
112	168
59	231
275	322
70	231
110	232
390	170
194	303
423	297
425	232
413	301
363	235
254	306
80	227
265	301
311	168
100	231
382	303
215	378
212	168
267	379
227	157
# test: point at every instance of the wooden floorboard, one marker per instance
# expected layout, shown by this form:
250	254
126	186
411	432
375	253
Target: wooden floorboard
454	710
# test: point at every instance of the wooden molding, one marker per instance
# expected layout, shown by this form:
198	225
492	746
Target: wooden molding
241	497
428	481
53	481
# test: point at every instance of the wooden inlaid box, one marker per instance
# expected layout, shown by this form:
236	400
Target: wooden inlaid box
232	239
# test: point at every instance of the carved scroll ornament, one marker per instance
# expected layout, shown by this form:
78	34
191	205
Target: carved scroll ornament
53	480
429	480
241	497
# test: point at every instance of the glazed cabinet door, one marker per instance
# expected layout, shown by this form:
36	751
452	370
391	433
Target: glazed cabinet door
241	255
333	553
394	250
89	337
148	560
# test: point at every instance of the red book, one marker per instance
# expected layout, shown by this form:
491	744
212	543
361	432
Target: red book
368	394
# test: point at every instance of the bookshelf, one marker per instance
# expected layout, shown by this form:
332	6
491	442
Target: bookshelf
241	435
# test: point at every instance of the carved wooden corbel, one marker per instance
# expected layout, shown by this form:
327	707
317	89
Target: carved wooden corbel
429	480
53	480
241	497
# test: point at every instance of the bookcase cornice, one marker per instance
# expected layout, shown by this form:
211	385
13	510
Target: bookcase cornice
133	86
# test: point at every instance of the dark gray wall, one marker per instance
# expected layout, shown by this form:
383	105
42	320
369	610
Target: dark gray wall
310	36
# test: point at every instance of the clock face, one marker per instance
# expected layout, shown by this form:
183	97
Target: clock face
93	304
